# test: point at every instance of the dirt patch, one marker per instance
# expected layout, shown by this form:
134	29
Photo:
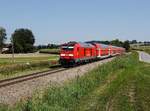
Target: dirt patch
109	105
132	94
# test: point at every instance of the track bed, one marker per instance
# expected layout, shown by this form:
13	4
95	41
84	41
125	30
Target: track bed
23	89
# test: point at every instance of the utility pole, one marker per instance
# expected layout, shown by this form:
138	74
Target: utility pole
13	51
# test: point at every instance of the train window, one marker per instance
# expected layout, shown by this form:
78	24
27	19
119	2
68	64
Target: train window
67	48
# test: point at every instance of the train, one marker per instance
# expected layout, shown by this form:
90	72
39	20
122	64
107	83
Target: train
75	53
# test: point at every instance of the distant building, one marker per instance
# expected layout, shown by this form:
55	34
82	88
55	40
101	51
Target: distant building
146	42
7	48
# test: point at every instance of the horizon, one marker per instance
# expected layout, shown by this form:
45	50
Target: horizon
63	21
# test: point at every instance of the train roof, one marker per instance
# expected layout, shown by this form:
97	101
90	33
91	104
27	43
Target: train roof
82	44
69	44
89	45
104	46
101	45
115	46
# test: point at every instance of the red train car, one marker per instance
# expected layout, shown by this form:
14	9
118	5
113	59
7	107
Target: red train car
116	50
74	53
113	50
102	50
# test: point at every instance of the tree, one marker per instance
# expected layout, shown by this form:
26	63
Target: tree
126	45
116	42
133	41
2	38
52	46
23	40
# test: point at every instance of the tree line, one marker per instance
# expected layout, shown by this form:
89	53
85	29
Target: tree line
22	40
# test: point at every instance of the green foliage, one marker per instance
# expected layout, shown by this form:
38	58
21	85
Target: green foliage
117	42
49	46
12	69
50	51
67	97
2	38
23	40
126	45
147	50
99	90
25	59
25	63
141	48
133	42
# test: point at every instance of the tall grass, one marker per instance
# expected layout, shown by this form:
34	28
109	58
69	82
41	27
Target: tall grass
142	48
17	69
27	58
21	67
68	96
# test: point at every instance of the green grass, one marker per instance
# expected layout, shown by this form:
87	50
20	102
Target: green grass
24	72
25	64
147	50
50	51
20	60
121	85
142	48
18	70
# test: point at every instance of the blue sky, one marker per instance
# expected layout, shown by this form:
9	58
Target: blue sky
58	21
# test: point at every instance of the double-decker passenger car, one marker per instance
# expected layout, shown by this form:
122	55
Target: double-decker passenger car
102	50
73	53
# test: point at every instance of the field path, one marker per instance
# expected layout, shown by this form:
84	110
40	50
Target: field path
143	56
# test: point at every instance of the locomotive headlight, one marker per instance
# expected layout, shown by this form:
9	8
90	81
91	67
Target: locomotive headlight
62	54
71	55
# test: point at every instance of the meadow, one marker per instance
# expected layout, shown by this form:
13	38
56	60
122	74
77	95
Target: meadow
121	85
24	64
142	48
6	59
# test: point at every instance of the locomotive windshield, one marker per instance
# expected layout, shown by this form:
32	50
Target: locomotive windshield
67	48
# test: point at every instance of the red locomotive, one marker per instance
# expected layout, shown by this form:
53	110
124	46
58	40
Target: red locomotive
73	53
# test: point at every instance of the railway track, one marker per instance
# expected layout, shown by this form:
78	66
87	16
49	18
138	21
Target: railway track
18	79
12	91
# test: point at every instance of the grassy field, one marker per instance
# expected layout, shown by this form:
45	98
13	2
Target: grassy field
24	64
6	59
24	72
121	85
142	48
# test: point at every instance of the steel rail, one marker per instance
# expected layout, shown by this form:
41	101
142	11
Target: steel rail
18	79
